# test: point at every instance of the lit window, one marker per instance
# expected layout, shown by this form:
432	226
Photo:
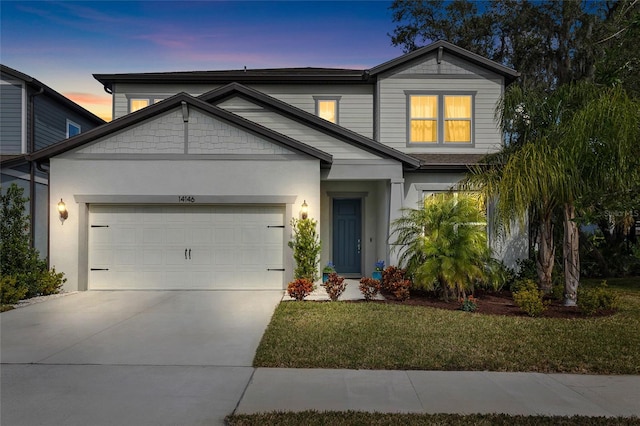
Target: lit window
440	118
424	119
457	119
327	108
137	104
72	129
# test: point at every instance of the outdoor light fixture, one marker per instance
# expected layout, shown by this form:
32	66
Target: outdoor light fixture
62	209
305	210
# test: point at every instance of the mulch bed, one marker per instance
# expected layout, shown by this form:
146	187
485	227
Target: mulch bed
489	303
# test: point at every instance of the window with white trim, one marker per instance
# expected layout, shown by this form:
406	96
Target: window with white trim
73	128
440	118
476	196
327	108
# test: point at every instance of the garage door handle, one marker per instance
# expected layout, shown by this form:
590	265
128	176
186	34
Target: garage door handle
185	254
189	253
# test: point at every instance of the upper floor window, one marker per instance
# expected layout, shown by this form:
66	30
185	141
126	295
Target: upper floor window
136	104
440	118
327	108
72	128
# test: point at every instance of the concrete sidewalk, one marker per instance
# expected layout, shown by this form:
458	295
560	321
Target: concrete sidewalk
276	389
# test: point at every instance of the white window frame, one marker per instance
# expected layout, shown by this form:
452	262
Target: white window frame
440	118
74	124
334	99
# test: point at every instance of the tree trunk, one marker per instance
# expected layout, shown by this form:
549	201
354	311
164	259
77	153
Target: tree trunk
571	255
544	260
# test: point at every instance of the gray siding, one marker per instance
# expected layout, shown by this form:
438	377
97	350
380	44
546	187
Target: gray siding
302	133
451	75
356	102
11	118
123	92
51	121
355	106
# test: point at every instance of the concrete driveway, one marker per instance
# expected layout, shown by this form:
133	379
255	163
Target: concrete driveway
131	357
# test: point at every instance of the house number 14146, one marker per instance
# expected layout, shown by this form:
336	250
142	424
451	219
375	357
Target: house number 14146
186	199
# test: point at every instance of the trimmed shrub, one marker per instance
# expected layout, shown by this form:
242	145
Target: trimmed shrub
369	287
469	304
592	300
10	291
300	288
306	248
529	298
395	283
335	286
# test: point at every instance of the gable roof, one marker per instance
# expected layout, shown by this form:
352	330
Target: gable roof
38	85
169	104
305	74
310	120
509	74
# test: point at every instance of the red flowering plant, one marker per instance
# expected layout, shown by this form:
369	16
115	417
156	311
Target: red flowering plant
335	286
468	304
369	287
300	288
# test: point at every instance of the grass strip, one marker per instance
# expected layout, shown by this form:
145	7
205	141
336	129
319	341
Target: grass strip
398	337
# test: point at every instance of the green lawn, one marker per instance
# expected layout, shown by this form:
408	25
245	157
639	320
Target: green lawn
312	418
379	336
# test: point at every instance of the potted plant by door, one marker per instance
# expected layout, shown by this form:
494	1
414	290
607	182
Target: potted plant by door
327	270
377	274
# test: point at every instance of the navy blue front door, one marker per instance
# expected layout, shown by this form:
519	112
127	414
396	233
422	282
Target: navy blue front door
347	229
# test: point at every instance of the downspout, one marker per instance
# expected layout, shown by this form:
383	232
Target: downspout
32	169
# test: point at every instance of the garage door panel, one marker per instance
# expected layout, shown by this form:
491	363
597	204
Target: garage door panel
152	235
144	247
125	257
153	257
124	235
174	235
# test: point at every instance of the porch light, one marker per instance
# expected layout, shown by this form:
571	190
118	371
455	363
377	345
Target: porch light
62	209
305	210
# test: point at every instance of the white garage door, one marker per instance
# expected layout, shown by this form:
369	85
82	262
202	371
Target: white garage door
185	247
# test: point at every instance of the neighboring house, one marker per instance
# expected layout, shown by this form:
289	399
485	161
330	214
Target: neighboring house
34	116
197	189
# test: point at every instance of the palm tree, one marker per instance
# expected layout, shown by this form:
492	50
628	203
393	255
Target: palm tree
524	176
444	243
563	146
601	147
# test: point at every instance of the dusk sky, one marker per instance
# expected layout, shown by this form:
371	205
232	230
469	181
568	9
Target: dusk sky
63	43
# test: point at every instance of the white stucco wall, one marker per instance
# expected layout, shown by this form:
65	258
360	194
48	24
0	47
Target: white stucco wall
72	177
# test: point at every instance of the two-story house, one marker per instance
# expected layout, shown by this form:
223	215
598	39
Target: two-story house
195	182
34	116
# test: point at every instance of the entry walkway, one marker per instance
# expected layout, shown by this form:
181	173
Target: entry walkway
280	389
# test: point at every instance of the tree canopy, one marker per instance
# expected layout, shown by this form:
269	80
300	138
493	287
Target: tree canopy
550	42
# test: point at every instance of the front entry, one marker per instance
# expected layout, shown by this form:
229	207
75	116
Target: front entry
347	236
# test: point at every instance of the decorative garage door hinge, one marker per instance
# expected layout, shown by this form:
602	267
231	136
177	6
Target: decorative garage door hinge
99	269
99	226
275	269
275	226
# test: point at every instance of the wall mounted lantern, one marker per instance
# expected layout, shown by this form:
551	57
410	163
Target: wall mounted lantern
305	210
62	209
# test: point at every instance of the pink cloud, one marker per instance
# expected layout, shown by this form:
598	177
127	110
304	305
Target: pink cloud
88	98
